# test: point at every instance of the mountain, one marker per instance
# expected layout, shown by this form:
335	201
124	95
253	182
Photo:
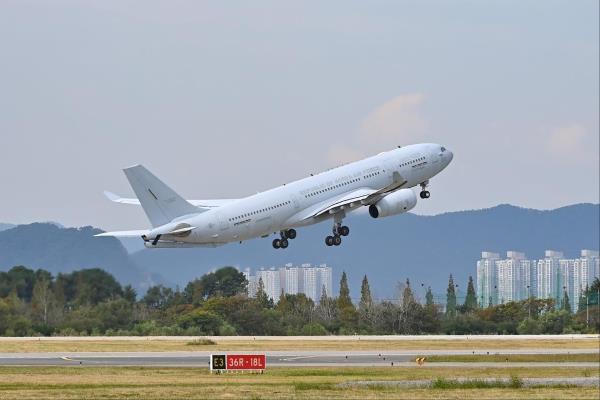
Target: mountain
4	227
425	249
57	249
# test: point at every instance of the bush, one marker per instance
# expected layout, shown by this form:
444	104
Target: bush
314	329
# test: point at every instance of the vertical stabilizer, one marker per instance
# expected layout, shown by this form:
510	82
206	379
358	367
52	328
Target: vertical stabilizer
160	203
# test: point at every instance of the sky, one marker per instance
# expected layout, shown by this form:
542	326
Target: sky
225	99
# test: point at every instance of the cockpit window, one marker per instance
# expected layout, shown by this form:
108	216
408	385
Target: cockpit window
443	149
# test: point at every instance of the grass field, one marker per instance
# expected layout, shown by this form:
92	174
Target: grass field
144	344
300	383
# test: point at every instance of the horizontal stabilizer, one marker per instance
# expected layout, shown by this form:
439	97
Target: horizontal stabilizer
137	233
118	199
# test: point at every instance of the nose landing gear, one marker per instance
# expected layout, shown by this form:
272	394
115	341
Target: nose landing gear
424	193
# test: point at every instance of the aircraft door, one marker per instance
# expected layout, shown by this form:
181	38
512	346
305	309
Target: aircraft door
223	223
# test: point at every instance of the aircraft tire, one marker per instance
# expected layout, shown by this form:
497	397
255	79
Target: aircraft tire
291	234
329	240
283	243
344	231
337	240
276	243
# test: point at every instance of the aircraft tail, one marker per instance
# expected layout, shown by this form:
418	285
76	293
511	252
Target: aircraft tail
160	203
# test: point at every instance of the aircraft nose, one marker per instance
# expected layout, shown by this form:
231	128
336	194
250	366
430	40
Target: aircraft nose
449	155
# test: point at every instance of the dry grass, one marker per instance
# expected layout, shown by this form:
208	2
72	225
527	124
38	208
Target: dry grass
301	383
145	344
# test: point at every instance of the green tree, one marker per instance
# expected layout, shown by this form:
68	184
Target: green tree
451	298
348	314
565	304
344	299
89	286
261	295
327	311
129	294
429	297
430	323
224	282
471	299
113	314
158	297
206	322
20	279
366	302
41	301
411	312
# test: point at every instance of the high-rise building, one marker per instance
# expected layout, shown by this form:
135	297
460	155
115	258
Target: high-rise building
324	281
514	277
487	289
271	282
517	278
308	282
549	279
252	283
291	279
584	270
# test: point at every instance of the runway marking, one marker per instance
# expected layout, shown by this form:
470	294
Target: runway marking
67	359
297	358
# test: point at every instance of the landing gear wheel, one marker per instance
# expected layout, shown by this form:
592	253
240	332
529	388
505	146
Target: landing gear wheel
329	240
276	243
283	243
337	240
425	194
344	231
291	234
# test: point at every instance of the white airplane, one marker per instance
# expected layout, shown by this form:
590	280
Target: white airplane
381	182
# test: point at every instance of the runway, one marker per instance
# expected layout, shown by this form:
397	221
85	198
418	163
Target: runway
286	358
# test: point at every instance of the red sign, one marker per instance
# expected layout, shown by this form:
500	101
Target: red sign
246	361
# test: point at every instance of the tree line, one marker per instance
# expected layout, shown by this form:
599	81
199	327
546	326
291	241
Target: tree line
93	302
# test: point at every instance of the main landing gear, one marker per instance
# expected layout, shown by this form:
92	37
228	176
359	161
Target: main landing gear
424	193
283	242
338	231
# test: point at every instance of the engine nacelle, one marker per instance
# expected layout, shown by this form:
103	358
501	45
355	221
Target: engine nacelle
398	202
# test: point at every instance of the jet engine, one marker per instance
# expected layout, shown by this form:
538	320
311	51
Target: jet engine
394	203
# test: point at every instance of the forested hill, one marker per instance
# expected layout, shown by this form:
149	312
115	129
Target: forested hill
425	249
56	249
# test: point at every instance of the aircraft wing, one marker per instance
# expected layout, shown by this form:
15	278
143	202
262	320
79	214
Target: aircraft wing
354	199
198	203
348	200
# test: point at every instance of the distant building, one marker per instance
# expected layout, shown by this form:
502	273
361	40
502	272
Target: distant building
290	279
271	281
549	279
252	283
487	279
514	277
517	278
324	280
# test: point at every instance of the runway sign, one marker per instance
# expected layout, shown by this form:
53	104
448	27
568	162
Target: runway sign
238	362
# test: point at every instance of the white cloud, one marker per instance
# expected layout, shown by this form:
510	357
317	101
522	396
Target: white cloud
568	143
398	121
